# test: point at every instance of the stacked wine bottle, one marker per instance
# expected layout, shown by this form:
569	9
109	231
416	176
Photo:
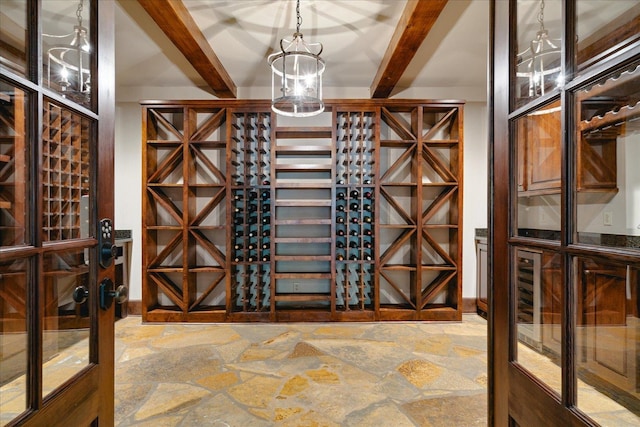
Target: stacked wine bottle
355	245
251	211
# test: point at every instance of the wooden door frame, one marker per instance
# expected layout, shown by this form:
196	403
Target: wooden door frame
87	398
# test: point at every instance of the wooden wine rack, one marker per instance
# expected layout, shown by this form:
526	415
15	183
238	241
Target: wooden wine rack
248	218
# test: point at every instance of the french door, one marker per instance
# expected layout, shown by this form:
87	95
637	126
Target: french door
56	201
565	213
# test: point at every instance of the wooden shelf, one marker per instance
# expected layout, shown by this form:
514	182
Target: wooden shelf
302	297
304	132
303	202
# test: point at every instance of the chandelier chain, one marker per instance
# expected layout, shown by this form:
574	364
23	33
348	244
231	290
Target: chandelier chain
299	18
79	12
541	15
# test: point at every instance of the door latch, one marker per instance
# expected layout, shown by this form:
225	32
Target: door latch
105	243
108	294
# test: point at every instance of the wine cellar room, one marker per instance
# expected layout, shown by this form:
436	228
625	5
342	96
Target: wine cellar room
415	263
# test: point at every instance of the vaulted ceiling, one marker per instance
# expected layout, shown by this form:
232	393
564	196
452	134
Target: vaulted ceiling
381	47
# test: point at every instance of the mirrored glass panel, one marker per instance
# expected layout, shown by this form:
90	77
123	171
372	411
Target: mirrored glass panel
66	49
608	341
604	27
608	150
13	338
537	139
538	57
537	283
13	36
65	348
14	203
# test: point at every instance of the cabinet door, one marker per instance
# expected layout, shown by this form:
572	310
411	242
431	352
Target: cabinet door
543	149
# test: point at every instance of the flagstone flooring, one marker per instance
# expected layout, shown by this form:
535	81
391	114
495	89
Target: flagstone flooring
301	374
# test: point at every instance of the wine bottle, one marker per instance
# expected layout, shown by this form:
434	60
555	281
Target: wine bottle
341	195
266	219
238	220
340	257
238	246
367	256
367	245
265	195
340	220
266	207
355	220
353	244
353	232
354	194
367	219
339	244
366	207
251	246
340	232
367	232
265	245
253	195
239	258
239	233
368	195
353	257
265	258
238	196
340	208
354	207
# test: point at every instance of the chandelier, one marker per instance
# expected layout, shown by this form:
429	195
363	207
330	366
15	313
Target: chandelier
296	76
68	61
541	61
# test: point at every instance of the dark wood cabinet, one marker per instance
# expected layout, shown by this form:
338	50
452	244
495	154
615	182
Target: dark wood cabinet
354	215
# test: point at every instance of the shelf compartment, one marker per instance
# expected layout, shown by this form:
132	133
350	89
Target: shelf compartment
304	132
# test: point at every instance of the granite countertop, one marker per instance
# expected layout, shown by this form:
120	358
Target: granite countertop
609	240
122	235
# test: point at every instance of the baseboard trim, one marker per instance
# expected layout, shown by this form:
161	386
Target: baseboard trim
469	305
134	307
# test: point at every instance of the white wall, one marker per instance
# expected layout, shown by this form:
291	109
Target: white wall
474	189
128	185
128	166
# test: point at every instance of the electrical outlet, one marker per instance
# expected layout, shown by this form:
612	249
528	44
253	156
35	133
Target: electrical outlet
296	286
607	218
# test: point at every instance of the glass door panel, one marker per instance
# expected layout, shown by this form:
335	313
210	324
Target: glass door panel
13	36
608	341
65	349
14	204
603	27
537	139
537	62
13	338
538	292
608	149
67	49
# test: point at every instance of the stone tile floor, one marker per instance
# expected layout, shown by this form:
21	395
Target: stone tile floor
301	374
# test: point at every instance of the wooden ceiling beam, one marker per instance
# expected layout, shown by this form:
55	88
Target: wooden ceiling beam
176	22
415	23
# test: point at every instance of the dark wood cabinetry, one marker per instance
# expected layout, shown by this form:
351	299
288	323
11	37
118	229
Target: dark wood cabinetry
354	216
